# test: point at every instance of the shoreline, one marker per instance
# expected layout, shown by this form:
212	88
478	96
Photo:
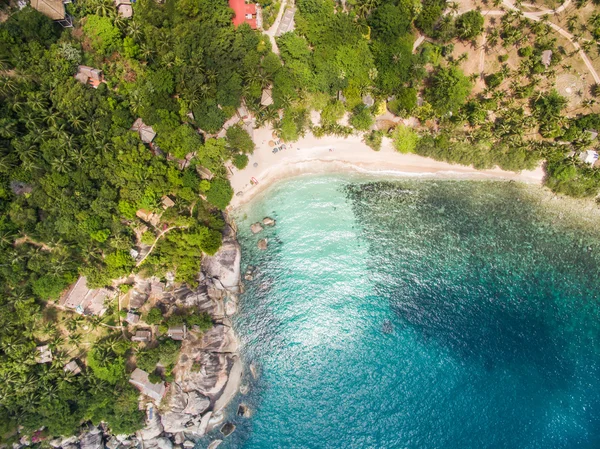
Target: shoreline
331	154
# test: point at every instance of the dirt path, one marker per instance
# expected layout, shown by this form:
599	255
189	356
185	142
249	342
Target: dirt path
482	55
537	16
271	31
156	241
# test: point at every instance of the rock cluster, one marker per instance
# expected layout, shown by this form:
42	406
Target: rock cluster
208	372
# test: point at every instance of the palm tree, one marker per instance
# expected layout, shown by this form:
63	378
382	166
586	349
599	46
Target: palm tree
364	7
61	164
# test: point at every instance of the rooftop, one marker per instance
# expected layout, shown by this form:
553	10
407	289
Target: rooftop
85	301
146	132
244	13
139	379
55	9
44	354
178	332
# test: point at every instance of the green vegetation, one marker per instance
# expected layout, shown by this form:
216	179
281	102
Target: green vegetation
75	180
405	139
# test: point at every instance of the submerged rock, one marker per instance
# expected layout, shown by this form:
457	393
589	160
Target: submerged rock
268	221
256	228
262	244
214	444
227	429
243	410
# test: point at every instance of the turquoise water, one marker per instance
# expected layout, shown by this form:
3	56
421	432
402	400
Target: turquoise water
418	314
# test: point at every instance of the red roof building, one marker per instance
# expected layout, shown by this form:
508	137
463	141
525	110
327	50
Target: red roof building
244	13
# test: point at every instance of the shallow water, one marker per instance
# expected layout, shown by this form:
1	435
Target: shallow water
418	314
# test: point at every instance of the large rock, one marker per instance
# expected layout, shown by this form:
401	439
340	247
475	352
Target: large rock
256	228
153	428
159	443
224	266
91	440
214	444
196	404
174	422
112	443
219	339
227	429
202	428
262	244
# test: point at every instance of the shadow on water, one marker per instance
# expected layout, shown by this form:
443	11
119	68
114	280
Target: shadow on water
479	295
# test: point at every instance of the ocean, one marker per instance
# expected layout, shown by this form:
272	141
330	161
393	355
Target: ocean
418	314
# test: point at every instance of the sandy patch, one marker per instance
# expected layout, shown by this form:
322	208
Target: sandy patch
343	155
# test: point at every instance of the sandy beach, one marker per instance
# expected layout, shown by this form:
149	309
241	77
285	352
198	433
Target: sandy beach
332	154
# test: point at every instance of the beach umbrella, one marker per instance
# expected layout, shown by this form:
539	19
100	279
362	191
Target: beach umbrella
274	134
255	164
271	143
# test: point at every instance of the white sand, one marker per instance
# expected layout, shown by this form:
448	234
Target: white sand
312	155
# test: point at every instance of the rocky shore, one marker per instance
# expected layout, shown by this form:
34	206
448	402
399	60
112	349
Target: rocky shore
207	374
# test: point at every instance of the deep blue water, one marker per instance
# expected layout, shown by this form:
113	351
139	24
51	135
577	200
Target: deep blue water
418	314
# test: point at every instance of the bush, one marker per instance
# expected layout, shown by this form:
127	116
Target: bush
240	161
374	139
449	89
154	316
154	378
362	119
405	102
220	193
238	139
469	25
148	238
405	139
494	80
524	52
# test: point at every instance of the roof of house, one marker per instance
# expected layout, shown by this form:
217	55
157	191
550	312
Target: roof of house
546	57
589	156
55	9
139	379
240	8
267	98
204	173
125	10
177	332
167	202
44	354
132	318
142	336
84	300
146	132
72	367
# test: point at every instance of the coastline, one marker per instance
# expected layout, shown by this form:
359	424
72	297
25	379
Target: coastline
312	155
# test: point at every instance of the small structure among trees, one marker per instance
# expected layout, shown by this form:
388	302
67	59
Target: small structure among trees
84	300
124	8
547	58
244	13
146	132
72	367
589	157
89	76
142	336
44	354
178	332
54	9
